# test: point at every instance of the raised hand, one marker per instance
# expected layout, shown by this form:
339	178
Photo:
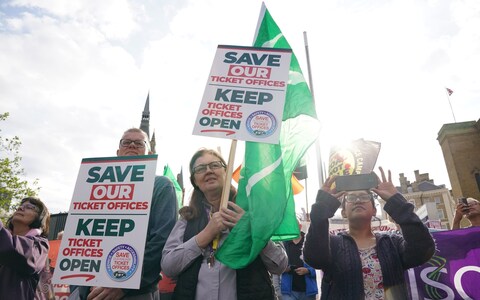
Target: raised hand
461	210
385	188
328	187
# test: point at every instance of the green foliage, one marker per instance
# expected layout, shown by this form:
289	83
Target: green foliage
13	187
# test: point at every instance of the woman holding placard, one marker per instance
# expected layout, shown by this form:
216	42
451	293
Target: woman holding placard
189	253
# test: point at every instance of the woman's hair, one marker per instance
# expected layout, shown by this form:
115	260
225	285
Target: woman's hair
470	199
42	221
196	200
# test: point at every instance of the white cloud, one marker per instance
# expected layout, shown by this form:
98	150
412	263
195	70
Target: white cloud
75	74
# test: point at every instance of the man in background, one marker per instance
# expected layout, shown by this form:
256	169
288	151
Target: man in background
163	215
299	281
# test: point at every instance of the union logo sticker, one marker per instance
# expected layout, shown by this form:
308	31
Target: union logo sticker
261	124
122	262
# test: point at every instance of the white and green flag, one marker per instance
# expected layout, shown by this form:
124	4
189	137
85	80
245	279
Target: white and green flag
265	189
178	189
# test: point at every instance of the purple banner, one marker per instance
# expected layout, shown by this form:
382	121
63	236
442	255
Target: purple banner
453	272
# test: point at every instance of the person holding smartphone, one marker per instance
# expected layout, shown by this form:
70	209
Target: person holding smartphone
360	264
468	208
299	280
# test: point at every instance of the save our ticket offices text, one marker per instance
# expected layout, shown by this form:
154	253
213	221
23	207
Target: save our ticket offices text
107	192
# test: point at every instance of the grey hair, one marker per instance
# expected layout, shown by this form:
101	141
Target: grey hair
133	129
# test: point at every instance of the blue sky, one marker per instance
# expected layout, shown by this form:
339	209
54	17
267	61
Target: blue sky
75	74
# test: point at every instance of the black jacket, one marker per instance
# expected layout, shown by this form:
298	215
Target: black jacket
338	255
253	281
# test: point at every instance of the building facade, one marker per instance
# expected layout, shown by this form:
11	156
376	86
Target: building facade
460	143
433	203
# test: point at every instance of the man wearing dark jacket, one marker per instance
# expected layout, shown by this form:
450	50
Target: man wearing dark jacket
163	215
299	281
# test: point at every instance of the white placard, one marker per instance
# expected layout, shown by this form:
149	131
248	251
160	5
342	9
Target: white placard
245	94
104	237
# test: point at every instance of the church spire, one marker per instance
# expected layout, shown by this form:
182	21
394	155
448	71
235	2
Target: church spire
145	123
153	143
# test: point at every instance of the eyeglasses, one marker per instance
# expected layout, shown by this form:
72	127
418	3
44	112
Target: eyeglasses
200	169
136	143
361	198
29	206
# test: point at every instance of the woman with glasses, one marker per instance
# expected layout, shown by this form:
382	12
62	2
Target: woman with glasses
360	264
189	254
23	249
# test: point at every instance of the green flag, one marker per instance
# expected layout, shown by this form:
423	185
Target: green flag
167	172
264	188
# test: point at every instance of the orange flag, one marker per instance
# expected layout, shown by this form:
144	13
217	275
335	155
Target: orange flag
53	251
297	187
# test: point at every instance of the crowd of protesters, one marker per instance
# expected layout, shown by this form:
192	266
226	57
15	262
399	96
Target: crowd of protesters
355	264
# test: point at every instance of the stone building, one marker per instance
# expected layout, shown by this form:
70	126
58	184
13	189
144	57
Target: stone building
432	202
460	143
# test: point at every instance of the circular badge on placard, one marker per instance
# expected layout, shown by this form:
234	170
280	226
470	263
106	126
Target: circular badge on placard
122	262
261	124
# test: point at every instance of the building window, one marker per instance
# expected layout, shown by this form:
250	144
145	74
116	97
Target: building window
441	215
437	200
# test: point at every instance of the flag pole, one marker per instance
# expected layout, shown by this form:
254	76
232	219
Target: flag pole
317	141
180	180
228	177
449	92
307	214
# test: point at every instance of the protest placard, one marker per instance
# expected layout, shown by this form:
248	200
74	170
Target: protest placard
105	233
245	94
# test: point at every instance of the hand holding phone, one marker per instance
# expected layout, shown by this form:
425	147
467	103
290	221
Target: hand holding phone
463	200
293	268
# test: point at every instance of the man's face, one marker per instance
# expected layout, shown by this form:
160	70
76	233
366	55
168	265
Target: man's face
134	144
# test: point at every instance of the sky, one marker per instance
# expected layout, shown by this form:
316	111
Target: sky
75	74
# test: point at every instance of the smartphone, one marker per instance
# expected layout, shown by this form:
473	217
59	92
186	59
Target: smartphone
356	182
463	200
